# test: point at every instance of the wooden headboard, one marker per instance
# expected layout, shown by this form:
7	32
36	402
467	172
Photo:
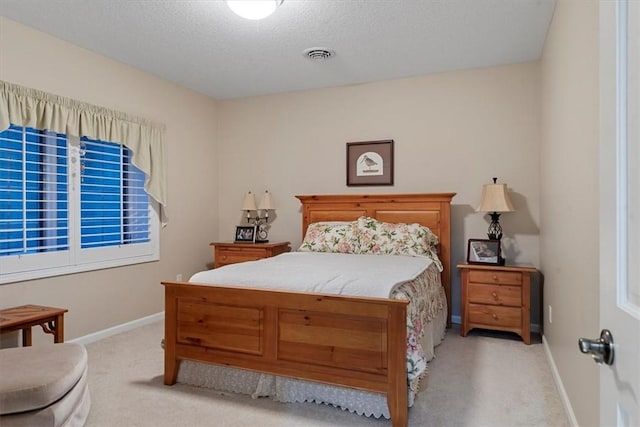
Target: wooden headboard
432	210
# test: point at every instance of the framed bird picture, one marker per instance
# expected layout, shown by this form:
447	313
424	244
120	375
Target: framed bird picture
370	163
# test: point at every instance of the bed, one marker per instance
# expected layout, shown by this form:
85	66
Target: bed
275	331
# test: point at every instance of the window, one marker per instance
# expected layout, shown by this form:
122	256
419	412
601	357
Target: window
69	205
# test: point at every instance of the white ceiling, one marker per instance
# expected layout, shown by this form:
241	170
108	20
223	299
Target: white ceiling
204	46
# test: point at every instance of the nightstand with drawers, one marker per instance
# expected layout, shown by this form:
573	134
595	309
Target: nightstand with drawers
496	297
231	253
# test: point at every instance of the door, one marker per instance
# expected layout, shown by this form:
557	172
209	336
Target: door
620	209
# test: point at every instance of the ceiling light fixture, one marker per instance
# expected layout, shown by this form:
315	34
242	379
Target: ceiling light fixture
253	9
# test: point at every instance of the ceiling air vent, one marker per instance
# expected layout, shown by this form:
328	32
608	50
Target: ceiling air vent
319	53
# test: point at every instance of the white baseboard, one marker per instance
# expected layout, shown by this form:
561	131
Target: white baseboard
556	378
105	333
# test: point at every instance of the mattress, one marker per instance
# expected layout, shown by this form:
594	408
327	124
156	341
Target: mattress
331	273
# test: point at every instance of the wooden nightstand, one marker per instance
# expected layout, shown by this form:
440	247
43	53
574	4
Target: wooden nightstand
496	297
231	253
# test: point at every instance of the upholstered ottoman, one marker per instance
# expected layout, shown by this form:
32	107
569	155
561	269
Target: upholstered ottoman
44	386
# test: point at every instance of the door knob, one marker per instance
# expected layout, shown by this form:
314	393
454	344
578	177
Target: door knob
601	349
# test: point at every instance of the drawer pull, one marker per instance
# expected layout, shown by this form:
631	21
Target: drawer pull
495	278
224	257
495	316
494	295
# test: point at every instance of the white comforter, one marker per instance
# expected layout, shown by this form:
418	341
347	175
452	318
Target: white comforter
329	273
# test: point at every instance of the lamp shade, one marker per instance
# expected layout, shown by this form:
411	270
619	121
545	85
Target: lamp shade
495	198
266	202
249	202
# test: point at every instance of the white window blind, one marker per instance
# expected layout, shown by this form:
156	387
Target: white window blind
34	213
70	205
114	206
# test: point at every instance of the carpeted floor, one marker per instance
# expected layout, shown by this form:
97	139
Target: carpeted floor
481	380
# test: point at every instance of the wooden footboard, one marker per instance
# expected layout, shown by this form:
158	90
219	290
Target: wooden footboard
346	341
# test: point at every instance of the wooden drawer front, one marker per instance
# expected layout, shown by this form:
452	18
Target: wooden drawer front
495	294
279	250
493	315
229	256
498	277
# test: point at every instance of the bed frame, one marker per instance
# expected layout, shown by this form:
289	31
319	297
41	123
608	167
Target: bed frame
348	341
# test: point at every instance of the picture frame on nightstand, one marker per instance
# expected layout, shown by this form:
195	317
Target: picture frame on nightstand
483	251
245	234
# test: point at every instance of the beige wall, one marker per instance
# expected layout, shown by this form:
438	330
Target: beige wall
105	298
452	132
569	198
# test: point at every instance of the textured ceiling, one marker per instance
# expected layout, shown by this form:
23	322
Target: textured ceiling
204	46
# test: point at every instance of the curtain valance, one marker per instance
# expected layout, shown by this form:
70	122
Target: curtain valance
27	107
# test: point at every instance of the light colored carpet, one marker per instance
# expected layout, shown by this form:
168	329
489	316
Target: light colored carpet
474	381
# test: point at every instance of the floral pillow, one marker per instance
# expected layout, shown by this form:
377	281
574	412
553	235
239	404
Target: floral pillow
378	237
340	237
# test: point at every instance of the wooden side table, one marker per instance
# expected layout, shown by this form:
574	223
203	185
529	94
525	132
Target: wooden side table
51	320
231	253
496	297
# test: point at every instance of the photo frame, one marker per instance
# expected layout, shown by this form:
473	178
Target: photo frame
483	251
370	163
245	234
